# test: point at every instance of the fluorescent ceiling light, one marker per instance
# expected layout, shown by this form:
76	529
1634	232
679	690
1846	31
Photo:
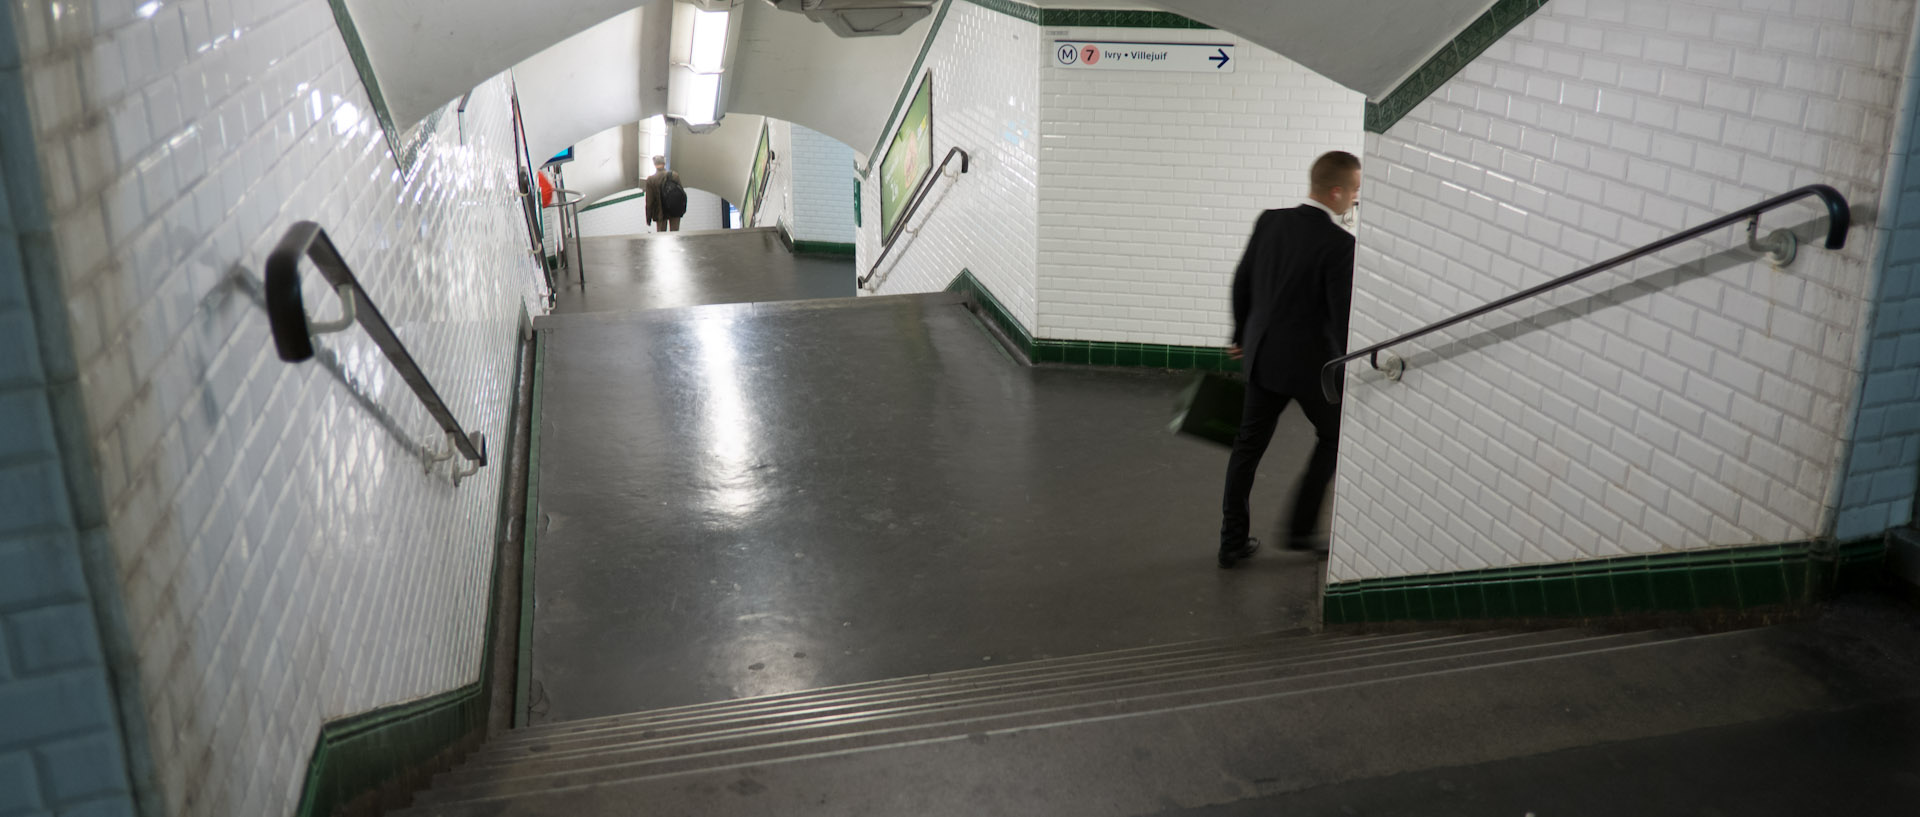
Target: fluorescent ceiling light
709	41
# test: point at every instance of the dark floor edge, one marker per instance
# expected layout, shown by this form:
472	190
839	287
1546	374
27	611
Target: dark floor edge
1903	555
650	234
371	762
508	644
1730	580
530	539
1085	352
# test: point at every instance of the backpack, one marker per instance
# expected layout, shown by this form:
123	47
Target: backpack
673	197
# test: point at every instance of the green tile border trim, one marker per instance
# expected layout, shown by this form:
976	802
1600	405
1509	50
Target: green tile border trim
360	754
1031	14
906	88
1116	18
1088	352
523	670
357	755
823	248
599	204
1471	42
1090	18
405	146
993	312
1722	579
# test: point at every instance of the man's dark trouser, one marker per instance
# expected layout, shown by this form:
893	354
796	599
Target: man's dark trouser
1257	421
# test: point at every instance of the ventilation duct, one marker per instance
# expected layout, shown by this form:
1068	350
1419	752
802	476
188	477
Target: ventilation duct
861	18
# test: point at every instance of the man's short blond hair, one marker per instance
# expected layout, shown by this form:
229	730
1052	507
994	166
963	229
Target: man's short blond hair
659	161
1333	169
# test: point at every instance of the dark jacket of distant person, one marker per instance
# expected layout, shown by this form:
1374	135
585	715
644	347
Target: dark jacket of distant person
650	192
1291	296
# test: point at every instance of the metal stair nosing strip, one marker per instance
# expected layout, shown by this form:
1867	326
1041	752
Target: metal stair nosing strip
958	694
760	708
768	752
1189	647
493	767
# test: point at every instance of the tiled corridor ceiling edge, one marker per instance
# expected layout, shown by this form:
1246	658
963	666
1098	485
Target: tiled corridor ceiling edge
1453	56
405	150
1485	30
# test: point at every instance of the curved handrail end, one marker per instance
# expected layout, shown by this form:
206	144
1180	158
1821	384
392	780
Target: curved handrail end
286	309
1839	215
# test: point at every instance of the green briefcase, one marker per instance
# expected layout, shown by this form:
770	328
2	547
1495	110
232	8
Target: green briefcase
1210	409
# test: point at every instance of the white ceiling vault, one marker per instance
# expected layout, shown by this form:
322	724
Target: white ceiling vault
584	66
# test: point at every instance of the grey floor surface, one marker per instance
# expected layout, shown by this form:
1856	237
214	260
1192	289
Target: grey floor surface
1859	762
745	500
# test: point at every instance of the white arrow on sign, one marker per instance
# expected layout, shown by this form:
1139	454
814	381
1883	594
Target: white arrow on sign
1101	55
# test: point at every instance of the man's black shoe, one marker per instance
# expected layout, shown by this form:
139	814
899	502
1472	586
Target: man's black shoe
1229	558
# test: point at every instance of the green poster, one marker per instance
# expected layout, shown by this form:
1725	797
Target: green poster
756	181
909	158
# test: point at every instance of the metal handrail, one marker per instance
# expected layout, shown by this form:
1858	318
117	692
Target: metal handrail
1839	218
293	334
913	204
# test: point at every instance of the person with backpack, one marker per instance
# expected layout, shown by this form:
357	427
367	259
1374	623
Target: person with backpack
666	199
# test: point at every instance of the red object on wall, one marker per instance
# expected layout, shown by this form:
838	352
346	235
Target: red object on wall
546	188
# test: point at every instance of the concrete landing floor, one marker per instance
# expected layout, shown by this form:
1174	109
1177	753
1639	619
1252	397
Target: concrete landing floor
752	499
663	270
1858	762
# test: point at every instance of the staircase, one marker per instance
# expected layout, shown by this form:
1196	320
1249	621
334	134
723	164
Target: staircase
1146	730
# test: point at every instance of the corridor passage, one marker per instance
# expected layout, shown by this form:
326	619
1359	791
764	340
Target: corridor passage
757	498
660	270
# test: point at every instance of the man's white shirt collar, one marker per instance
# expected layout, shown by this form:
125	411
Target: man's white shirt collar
1325	209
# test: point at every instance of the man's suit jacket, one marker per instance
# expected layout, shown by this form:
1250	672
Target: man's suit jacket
1291	296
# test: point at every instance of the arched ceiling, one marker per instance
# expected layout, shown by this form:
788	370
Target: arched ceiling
719	160
791	68
595	80
425	53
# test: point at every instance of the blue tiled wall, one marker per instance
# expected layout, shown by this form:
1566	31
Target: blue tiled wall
1883	462
61	744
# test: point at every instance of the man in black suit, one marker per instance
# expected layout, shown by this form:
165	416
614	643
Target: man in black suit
1290	300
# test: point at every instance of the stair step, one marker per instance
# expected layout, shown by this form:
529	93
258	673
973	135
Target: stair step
1179	753
1181	648
951	684
616	764
938	697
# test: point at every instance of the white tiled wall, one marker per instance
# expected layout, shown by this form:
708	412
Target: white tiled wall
281	550
823	180
1150	183
630	217
986	70
61	743
703	211
1697	412
620	218
1883	462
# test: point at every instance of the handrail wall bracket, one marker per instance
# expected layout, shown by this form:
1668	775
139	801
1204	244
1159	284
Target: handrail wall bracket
340	324
1778	248
293	332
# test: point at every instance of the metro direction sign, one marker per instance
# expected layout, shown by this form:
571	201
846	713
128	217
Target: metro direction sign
1097	55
